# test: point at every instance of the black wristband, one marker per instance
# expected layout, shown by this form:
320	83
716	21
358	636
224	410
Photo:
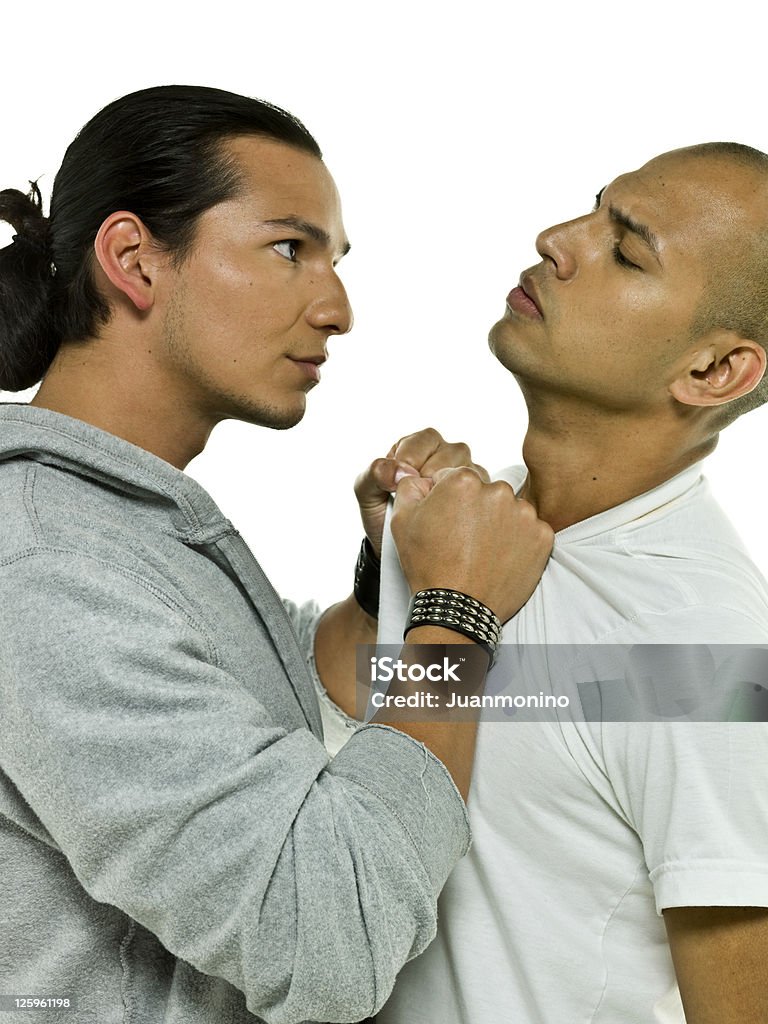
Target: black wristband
367	579
451	609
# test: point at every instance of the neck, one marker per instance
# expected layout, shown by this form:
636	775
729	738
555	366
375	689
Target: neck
581	463
120	390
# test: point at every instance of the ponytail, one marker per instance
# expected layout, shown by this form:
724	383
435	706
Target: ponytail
27	340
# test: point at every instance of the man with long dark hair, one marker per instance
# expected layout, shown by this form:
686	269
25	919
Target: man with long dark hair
176	845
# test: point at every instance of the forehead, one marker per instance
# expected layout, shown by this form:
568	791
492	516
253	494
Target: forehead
280	180
692	200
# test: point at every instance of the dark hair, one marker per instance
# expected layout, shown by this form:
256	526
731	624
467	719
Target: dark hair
157	153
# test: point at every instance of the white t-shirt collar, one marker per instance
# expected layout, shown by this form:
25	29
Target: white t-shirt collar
620	515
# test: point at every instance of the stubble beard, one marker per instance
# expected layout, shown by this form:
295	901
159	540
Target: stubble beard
218	402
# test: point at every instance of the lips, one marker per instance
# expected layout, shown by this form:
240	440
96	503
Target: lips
310	365
525	300
317	360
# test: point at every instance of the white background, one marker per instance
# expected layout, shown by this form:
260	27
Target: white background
455	131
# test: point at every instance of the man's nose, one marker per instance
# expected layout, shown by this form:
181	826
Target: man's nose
331	311
560	244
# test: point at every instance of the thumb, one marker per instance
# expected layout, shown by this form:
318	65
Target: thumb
411	490
381	478
389	472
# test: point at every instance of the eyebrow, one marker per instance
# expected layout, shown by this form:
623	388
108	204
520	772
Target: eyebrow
641	230
306	228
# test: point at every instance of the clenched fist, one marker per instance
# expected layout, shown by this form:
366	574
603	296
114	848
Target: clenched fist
460	532
422	454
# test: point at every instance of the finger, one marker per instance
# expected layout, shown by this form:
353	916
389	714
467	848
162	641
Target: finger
428	451
445	455
381	477
505	489
416	449
453	471
444	459
411	490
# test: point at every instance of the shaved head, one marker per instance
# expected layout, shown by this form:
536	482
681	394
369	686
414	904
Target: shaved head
737	295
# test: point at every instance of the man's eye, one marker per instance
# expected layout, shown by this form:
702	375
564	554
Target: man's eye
288	249
622	260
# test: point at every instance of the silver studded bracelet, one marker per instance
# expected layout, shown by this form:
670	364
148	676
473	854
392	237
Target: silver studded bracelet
459	612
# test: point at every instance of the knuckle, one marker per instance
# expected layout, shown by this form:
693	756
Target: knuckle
418	444
428	434
464	477
525	509
500	491
459	449
544	537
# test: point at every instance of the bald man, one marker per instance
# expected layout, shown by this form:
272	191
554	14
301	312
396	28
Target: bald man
619	870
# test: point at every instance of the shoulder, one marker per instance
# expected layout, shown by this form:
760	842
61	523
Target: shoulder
694	547
72	545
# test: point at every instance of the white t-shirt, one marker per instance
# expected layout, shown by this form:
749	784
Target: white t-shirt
585	831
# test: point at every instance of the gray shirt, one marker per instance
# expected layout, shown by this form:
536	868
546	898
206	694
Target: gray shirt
175	844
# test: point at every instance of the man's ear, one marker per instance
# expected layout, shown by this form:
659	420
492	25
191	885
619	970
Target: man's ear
721	368
128	257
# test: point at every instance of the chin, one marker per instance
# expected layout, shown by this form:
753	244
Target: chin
502	346
500	335
276	417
